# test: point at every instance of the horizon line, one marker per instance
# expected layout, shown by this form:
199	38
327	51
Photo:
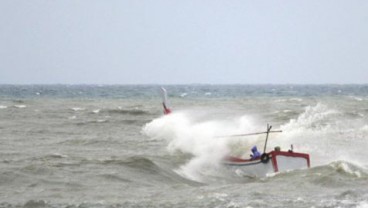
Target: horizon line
172	84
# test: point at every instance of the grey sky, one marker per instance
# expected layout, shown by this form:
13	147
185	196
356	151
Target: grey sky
183	42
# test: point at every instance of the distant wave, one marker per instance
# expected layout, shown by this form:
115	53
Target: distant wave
92	122
20	106
127	111
147	168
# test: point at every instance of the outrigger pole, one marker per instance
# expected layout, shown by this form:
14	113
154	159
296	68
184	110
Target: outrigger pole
267	132
252	134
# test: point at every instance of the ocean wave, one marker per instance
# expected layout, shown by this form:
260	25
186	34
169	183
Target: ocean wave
135	161
35	204
146	168
336	173
309	119
89	141
349	169
98	121
114	177
56	156
127	111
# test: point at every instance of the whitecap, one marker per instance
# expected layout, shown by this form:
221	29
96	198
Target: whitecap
20	106
310	116
363	204
281	100
3	107
58	155
78	109
296	99
96	111
356	98
183	94
364	128
344	167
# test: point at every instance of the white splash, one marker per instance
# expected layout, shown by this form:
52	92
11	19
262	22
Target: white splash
200	139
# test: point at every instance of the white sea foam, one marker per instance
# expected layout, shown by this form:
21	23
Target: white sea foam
3	107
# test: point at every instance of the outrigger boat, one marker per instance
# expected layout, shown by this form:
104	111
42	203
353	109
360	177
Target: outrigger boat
269	162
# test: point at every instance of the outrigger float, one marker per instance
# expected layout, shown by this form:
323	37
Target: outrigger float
269	162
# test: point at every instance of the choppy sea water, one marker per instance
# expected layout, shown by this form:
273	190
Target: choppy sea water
111	146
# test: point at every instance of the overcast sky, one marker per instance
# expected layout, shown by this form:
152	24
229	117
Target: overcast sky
183	42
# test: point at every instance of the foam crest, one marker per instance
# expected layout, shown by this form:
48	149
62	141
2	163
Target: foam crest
309	118
347	168
311	132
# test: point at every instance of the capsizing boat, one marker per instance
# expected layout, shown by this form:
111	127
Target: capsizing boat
269	162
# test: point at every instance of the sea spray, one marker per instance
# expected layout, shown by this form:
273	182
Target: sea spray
207	141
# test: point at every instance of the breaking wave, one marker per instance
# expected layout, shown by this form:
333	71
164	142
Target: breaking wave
327	135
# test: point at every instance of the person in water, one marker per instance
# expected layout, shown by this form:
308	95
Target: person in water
255	154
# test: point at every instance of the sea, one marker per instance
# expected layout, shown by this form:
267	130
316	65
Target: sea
80	146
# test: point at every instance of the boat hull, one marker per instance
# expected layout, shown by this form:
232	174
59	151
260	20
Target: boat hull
276	161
